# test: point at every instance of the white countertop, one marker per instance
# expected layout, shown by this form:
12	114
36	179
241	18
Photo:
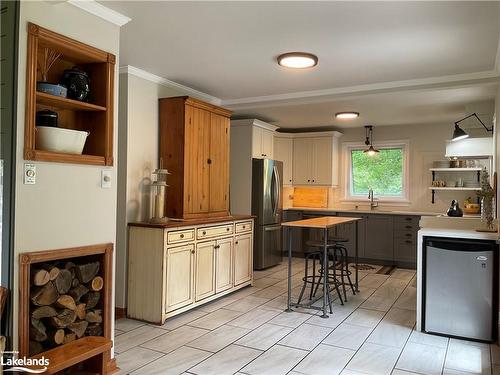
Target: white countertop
458	233
363	211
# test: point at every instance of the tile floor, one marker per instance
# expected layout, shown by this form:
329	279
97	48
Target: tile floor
247	332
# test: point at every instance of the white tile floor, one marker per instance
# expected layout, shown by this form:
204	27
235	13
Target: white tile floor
247	332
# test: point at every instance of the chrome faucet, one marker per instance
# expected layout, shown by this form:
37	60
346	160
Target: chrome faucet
372	199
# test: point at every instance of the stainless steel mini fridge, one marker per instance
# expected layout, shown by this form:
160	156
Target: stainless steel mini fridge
460	278
267	206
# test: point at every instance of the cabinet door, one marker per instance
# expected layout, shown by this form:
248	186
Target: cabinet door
196	155
243	259
268	144
257	142
283	151
294	232
179	277
219	163
348	231
224	264
205	270
379	238
302	161
322	161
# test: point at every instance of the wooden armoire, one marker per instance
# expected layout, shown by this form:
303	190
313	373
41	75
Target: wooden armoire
194	147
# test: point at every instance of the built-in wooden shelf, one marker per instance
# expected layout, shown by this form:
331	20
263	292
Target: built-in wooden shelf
65	103
455	169
454	188
94	117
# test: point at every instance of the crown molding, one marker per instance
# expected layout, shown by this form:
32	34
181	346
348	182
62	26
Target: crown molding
326	94
128	69
99	10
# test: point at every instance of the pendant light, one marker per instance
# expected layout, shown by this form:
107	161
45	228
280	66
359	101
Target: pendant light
459	133
371	151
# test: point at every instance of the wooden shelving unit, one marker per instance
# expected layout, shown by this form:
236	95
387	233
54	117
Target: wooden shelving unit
94	116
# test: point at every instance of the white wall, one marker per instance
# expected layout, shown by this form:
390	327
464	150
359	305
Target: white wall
66	207
138	157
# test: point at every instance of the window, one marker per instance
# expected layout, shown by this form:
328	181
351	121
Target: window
385	172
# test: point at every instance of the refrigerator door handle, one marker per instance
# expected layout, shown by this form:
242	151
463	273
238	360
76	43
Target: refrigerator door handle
276	190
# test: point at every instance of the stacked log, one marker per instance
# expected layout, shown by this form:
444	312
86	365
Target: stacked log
65	304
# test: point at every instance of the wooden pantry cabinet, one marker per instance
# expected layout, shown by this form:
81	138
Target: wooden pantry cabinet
194	147
173	268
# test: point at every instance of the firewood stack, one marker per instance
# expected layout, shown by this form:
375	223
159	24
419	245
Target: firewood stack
65	304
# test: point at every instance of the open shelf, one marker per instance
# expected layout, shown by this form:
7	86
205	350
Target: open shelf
65	103
95	117
454	188
455	169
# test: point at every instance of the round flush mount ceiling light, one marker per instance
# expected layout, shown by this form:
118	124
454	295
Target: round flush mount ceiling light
346	115
297	60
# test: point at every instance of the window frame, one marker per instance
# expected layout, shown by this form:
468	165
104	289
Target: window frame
348	147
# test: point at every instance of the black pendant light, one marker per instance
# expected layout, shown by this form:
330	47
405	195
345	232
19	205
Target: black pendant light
371	151
459	133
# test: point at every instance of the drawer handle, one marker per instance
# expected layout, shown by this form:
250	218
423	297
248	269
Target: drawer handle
408	241
227	229
204	232
182	235
244	226
192	251
216	246
408	227
236	242
408	218
408	234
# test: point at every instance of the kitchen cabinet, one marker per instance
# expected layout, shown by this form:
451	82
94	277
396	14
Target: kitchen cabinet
348	231
250	138
405	240
194	147
283	151
262	143
243	259
224	264
178	287
315	159
379	237
172	269
295	233
205	270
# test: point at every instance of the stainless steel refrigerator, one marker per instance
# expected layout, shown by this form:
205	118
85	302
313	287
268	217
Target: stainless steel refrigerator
267	206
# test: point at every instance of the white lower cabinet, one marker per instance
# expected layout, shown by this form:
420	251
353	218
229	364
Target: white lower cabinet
243	258
178	287
205	270
168	277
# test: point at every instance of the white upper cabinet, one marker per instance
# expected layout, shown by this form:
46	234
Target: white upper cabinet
262	143
283	151
315	159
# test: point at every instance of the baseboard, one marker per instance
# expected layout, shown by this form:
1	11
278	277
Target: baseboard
120	312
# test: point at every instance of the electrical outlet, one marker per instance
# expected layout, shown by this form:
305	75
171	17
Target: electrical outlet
29	174
106	179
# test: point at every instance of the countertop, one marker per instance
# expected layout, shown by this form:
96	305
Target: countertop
363	211
458	233
189	223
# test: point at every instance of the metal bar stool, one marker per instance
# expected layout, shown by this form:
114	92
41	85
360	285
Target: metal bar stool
332	274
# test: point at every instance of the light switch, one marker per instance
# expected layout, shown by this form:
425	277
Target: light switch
29	174
106	179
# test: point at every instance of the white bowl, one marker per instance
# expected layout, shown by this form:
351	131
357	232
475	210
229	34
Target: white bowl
60	140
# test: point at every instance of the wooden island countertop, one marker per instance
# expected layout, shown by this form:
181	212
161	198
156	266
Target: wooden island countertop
192	222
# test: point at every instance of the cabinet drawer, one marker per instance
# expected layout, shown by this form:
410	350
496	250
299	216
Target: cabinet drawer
402	224
402	235
180	236
209	232
245	226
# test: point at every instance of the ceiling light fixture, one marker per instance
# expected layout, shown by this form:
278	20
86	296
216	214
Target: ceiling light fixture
371	151
346	115
459	133
297	60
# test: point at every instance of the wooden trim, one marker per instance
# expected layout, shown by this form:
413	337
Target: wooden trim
67	103
120	312
110	105
206	106
112	367
59	157
29	258
30	106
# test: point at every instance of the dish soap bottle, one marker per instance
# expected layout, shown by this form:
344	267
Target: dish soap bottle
454	210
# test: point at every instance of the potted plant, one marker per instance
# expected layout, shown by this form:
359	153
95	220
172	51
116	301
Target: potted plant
486	194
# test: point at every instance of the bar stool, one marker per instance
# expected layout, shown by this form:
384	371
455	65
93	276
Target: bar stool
312	280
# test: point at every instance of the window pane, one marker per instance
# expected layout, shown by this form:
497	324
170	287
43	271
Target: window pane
382	172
